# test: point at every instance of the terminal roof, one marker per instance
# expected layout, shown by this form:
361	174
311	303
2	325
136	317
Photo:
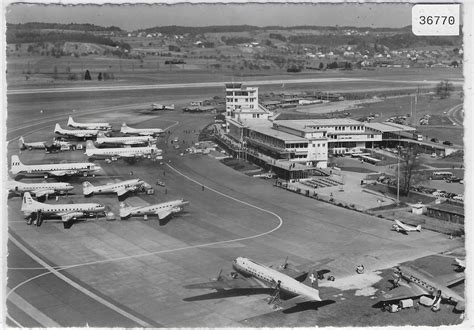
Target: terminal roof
310	125
265	127
389	127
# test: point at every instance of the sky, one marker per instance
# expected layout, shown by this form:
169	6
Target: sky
133	17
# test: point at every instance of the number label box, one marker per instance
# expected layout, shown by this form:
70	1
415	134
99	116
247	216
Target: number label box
435	20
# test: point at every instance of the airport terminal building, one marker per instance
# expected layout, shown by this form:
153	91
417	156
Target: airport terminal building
292	145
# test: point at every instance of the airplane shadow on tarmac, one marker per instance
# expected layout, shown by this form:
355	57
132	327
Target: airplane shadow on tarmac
308	305
230	293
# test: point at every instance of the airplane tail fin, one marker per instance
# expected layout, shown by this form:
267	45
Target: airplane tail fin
15	162
70	121
312	279
57	128
28	203
90	145
21	142
418	228
125	210
87	188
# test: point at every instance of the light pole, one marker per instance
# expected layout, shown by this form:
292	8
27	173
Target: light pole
398	175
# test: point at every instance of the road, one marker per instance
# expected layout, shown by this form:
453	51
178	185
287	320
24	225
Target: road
456	115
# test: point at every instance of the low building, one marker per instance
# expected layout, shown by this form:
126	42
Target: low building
448	211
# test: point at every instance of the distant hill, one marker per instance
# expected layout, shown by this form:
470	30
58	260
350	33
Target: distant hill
54	32
176	29
59	26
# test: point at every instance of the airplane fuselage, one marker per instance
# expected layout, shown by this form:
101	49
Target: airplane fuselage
430	286
51	168
111	188
55	209
270	277
124	152
19	187
127	140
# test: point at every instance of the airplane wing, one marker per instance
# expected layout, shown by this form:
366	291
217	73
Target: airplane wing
63	172
42	192
229	282
163	214
405	290
450	279
298	271
121	191
70	215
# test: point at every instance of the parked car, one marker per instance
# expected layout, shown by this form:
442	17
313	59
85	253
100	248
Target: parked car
448	143
435	140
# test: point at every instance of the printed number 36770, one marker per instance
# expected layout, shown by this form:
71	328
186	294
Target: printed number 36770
430	20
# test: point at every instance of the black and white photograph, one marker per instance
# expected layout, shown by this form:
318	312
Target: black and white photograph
236	164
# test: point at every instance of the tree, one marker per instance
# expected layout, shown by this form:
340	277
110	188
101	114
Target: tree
444	88
321	65
87	75
410	167
55	72
99	76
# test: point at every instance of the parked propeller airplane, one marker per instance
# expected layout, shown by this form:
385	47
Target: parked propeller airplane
63	169
36	211
119	188
30	145
416	284
124	140
116	153
161	210
39	189
93	126
140	131
461	264
404	228
159	106
300	286
77	133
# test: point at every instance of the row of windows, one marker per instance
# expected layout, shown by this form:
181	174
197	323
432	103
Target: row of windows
252	99
296	145
319	145
422	283
259	274
237	93
343	128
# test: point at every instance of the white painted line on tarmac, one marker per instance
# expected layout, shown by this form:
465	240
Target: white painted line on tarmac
71	283
32	311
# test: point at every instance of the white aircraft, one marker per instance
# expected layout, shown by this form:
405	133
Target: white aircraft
39	189
461	264
404	228
126	153
140	131
35	211
125	140
119	188
158	106
97	126
161	210
63	169
30	145
416	284
250	274
78	133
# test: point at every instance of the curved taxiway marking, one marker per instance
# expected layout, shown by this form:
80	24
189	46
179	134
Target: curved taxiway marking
57	269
